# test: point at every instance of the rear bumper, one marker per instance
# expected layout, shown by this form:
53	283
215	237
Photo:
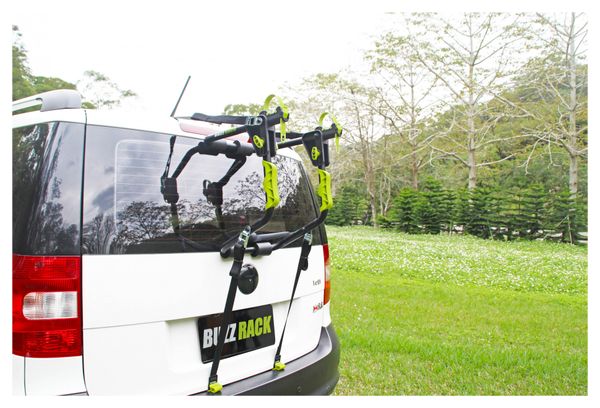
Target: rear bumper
315	373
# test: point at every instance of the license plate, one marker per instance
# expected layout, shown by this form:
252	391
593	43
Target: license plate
248	330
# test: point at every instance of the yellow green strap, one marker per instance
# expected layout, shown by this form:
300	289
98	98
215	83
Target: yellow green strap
324	190
270	185
337	125
284	108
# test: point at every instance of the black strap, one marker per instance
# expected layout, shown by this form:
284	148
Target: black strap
302	266
168	185
272	119
238	258
219	119
168	188
239	249
171	147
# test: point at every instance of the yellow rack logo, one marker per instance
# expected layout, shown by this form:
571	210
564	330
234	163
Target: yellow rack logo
315	153
258	141
241	330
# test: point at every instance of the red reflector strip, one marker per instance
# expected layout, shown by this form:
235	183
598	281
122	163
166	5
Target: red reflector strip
46	267
48	343
53	328
327	291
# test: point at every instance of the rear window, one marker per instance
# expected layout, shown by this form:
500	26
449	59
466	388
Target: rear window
47	176
125	211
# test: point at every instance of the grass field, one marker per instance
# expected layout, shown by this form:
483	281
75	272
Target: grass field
440	315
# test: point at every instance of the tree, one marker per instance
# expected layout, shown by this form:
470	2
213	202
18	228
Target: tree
45	84
534	200
354	108
564	216
306	101
562	81
514	217
21	75
429	207
403	213
448	210
363	131
350	206
472	56
483	207
99	91
404	97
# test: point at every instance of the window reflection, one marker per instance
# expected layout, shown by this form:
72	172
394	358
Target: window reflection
125	212
47	172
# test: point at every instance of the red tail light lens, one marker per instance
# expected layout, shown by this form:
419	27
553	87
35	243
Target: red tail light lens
327	292
47	306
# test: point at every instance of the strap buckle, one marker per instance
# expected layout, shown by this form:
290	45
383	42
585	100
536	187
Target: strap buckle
245	236
214	387
168	188
278	366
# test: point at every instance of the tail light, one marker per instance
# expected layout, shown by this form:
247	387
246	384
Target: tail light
327	291
47	306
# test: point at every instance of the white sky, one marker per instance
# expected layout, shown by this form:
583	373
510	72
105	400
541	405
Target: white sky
235	51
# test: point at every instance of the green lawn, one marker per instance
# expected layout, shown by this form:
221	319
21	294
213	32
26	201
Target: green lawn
440	315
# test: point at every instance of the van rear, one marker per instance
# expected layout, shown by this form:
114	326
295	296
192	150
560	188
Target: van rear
116	292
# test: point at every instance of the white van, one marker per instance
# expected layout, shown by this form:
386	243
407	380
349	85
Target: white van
109	300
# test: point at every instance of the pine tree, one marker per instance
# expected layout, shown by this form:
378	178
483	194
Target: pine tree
565	214
582	217
348	207
423	213
520	218
403	211
428	207
463	209
481	210
499	219
340	212
533	202
448	208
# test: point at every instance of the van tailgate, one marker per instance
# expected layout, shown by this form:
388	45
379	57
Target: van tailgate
141	312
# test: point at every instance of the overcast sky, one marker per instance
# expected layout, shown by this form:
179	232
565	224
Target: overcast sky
235	51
